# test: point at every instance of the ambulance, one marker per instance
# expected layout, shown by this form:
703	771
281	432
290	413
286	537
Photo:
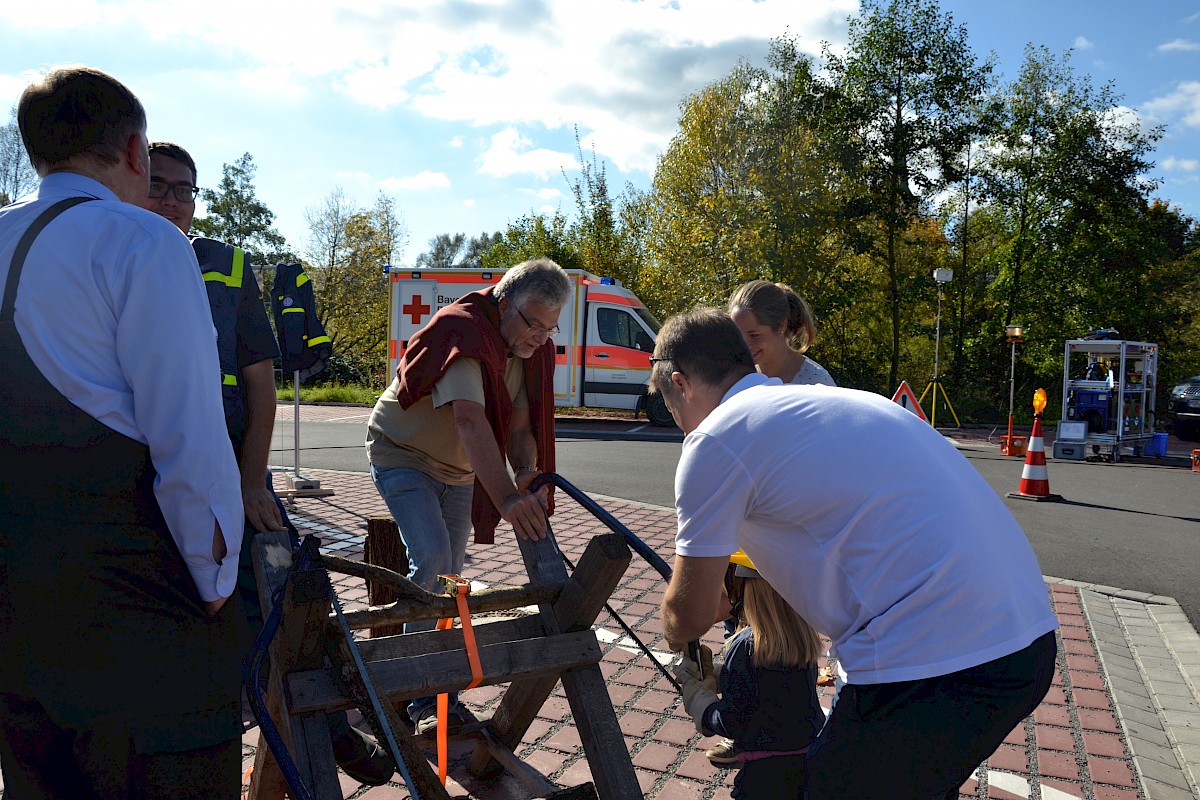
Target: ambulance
602	350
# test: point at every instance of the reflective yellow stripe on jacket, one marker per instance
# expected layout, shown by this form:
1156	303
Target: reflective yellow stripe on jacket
234	278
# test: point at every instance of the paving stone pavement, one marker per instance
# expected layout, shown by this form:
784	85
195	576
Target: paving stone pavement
1120	722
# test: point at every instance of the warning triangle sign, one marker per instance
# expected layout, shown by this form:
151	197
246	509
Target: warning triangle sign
905	398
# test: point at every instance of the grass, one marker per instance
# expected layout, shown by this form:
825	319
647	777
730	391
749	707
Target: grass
353	394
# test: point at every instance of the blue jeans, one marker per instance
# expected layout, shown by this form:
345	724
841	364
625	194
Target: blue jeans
434	519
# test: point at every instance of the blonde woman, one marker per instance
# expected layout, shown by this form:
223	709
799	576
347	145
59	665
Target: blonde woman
778	327
768	692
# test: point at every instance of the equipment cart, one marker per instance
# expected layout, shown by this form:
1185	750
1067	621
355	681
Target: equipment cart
1110	385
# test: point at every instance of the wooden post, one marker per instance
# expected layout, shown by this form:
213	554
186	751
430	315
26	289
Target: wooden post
599	571
425	781
384	547
298	644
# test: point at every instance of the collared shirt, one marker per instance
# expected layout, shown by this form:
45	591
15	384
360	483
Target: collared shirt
424	435
112	311
868	522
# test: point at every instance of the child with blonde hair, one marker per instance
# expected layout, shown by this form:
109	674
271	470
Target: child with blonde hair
768	692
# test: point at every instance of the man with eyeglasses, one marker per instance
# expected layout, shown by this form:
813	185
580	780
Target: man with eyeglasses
246	349
877	532
475	387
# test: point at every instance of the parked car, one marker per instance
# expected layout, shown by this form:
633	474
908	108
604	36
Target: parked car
1185	405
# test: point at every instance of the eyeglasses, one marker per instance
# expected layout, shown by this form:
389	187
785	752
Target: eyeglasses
184	192
538	330
654	360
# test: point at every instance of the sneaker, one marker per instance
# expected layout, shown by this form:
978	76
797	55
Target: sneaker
427	720
362	758
722	753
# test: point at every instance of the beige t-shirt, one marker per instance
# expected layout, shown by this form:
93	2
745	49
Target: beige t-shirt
424	436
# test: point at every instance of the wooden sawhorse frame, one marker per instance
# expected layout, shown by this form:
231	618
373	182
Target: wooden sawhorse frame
530	653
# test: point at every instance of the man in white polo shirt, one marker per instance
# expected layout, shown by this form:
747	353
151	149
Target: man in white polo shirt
880	534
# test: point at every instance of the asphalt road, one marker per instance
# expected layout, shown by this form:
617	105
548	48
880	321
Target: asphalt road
1130	525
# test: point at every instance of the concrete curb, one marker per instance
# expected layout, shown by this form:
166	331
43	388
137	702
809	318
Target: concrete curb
1150	657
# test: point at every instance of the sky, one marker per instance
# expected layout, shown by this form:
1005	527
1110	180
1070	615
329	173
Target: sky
466	111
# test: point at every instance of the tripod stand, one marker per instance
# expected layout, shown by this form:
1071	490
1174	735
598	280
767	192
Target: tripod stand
936	386
941	276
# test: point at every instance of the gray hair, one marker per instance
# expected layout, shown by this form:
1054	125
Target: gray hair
538	279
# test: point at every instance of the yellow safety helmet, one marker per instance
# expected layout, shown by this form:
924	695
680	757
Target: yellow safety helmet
743	566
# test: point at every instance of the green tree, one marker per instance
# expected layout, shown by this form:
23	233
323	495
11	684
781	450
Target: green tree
705	226
444	251
534	236
237	216
900	88
476	247
354	246
1065	172
595	230
455	250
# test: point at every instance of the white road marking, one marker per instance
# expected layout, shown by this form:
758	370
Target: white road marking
1019	786
629	645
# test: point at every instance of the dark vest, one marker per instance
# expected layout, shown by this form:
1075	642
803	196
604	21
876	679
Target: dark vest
99	617
225	272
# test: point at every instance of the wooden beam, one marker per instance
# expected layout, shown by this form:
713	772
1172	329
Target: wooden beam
600	732
415	644
439	606
434	673
533	781
349	682
595	578
310	737
298	644
544	564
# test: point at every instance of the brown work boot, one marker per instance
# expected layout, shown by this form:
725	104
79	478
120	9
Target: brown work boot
427	721
723	753
362	758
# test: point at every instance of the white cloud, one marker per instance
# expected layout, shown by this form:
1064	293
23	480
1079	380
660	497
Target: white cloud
428	78
615	69
1171	164
509	155
1179	45
545	193
424	179
1082	43
1182	105
11	87
469	202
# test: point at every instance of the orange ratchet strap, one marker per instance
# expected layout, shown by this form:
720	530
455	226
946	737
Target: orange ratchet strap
457	587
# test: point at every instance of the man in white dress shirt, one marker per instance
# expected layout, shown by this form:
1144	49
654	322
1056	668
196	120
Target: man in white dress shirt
120	507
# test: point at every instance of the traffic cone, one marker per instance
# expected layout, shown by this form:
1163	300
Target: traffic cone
1035	482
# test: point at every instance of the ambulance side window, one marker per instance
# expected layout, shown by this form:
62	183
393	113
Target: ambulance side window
619	328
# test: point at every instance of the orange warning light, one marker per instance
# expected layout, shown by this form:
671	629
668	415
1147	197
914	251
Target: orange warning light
1039	401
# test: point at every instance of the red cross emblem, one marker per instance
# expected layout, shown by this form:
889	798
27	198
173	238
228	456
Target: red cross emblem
416	308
